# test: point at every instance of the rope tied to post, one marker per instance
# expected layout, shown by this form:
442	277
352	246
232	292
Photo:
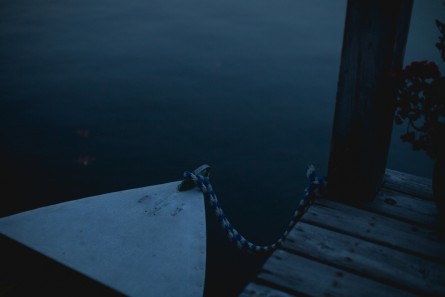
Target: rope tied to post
200	177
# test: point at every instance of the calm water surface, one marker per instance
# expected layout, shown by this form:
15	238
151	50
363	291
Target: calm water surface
99	96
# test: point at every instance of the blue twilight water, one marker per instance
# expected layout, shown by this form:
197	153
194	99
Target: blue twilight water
99	96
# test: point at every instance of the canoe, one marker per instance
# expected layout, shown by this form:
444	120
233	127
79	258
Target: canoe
149	241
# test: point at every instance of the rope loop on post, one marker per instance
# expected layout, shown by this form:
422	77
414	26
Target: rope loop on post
200	177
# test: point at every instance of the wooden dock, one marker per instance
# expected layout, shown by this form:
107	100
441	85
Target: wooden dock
388	247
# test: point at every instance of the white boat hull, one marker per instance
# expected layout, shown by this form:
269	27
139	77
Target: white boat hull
149	241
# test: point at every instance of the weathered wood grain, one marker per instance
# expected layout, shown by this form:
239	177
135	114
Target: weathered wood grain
407	183
256	290
369	259
312	278
404	207
377	228
387	247
373	46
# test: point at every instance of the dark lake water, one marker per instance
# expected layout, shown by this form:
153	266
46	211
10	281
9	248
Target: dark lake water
99	96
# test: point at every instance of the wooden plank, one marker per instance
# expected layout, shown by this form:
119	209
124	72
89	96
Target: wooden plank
377	228
405	207
368	259
407	183
305	276
256	290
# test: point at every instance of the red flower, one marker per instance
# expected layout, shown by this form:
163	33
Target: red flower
422	70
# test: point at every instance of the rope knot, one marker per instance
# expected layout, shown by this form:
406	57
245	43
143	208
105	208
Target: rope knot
192	179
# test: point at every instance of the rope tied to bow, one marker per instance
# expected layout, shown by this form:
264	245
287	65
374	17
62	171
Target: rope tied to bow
200	177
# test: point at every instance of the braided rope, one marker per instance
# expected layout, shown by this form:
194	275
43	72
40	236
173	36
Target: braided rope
316	187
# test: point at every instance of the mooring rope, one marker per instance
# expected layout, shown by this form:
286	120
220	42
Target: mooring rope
200	177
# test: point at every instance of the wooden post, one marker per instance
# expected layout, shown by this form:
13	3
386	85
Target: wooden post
373	46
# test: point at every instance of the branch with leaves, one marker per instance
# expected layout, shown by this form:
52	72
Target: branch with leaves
421	103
